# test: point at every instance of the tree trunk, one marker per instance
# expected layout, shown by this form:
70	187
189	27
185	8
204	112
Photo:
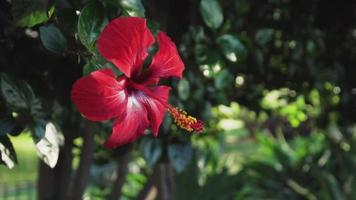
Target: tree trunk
150	190
82	174
63	169
45	182
166	182
122	170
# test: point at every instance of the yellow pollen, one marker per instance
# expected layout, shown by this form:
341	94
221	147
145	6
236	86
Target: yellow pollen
185	121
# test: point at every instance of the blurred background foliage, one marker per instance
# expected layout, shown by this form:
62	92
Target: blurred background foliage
273	80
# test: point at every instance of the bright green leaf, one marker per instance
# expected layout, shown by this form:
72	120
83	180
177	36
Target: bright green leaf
212	13
53	39
28	13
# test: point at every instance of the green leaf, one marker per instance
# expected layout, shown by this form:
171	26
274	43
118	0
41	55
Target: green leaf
18	94
263	36
97	62
151	150
90	67
47	140
53	39
7	152
38	130
212	13
232	48
183	89
180	155
91	21
133	7
223	79
28	13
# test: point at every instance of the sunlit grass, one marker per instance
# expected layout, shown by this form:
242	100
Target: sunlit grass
26	169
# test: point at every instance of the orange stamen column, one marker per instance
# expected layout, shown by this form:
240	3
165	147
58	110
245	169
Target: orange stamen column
185	121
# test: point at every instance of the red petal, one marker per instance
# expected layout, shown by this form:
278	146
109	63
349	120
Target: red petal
99	96
154	107
125	42
166	62
129	127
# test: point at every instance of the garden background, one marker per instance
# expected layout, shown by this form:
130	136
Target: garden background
273	81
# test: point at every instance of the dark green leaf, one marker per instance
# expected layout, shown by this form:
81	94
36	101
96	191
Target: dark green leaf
180	155
183	89
6	125
151	150
47	140
63	4
28	13
67	21
223	79
97	62
212	13
91	21
38	130
232	48
263	36
53	39
7	152
90	67
18	94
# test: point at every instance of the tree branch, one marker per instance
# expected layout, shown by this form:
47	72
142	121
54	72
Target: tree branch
86	158
122	170
149	190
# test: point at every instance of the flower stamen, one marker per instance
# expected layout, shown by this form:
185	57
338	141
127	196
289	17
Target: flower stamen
185	121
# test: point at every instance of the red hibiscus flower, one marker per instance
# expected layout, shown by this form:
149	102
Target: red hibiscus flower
134	99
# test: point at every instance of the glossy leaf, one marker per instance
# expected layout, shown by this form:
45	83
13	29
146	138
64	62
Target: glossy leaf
211	13
18	94
53	39
7	152
232	47
91	21
133	7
